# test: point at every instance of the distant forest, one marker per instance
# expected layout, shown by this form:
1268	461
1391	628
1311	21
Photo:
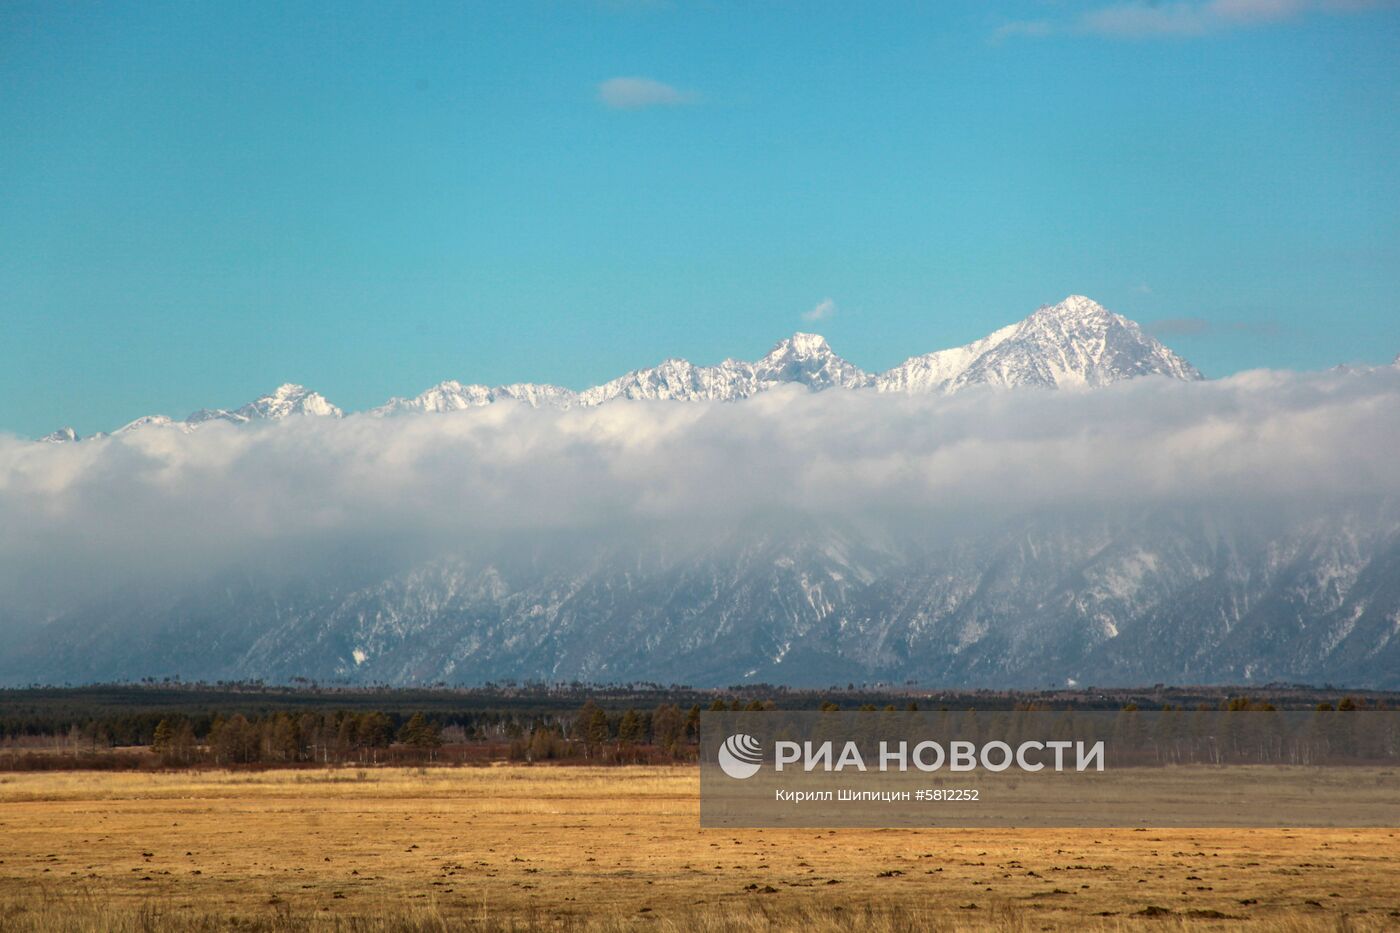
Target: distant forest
248	725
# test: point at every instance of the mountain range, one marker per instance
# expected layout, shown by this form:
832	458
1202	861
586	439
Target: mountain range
1123	591
1075	343
1124	597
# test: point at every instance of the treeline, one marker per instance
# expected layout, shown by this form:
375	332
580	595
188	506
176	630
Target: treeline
257	724
278	739
592	734
127	714
283	739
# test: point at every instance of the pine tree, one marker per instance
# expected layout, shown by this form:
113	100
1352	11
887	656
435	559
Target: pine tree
164	735
419	732
630	728
183	745
282	739
374	730
592	724
667	726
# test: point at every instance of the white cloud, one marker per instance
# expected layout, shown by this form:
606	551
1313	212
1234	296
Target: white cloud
1260	11
1144	19
1033	28
824	311
1137	20
636	93
155	508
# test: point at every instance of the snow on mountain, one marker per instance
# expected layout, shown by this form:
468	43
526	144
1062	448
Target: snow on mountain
677	380
1076	343
453	396
205	415
809	360
152	421
289	399
802	358
61	436
534	395
1183	596
935	372
806	359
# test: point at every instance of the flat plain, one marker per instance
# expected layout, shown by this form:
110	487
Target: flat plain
525	848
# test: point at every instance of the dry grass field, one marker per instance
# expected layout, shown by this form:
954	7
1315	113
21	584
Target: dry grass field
524	848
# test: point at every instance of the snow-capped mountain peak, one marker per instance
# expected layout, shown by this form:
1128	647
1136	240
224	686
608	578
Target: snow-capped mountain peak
1075	306
286	400
151	421
801	345
289	399
1075	343
449	395
807	359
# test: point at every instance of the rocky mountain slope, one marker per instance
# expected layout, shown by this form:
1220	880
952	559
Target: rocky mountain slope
1121	599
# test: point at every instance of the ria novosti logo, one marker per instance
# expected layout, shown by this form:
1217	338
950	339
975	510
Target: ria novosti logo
740	756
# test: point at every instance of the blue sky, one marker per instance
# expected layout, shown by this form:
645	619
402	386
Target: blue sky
200	201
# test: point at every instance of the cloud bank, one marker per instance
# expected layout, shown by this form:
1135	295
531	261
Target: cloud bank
156	506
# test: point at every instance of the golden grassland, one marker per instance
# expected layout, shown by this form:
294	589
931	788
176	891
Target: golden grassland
536	848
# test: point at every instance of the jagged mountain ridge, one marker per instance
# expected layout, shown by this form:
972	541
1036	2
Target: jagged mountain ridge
285	401
451	395
1075	343
804	359
1109	599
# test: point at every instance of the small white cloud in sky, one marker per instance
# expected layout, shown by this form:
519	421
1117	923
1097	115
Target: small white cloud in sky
1139	20
1032	28
1145	19
824	310
1262	10
637	93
